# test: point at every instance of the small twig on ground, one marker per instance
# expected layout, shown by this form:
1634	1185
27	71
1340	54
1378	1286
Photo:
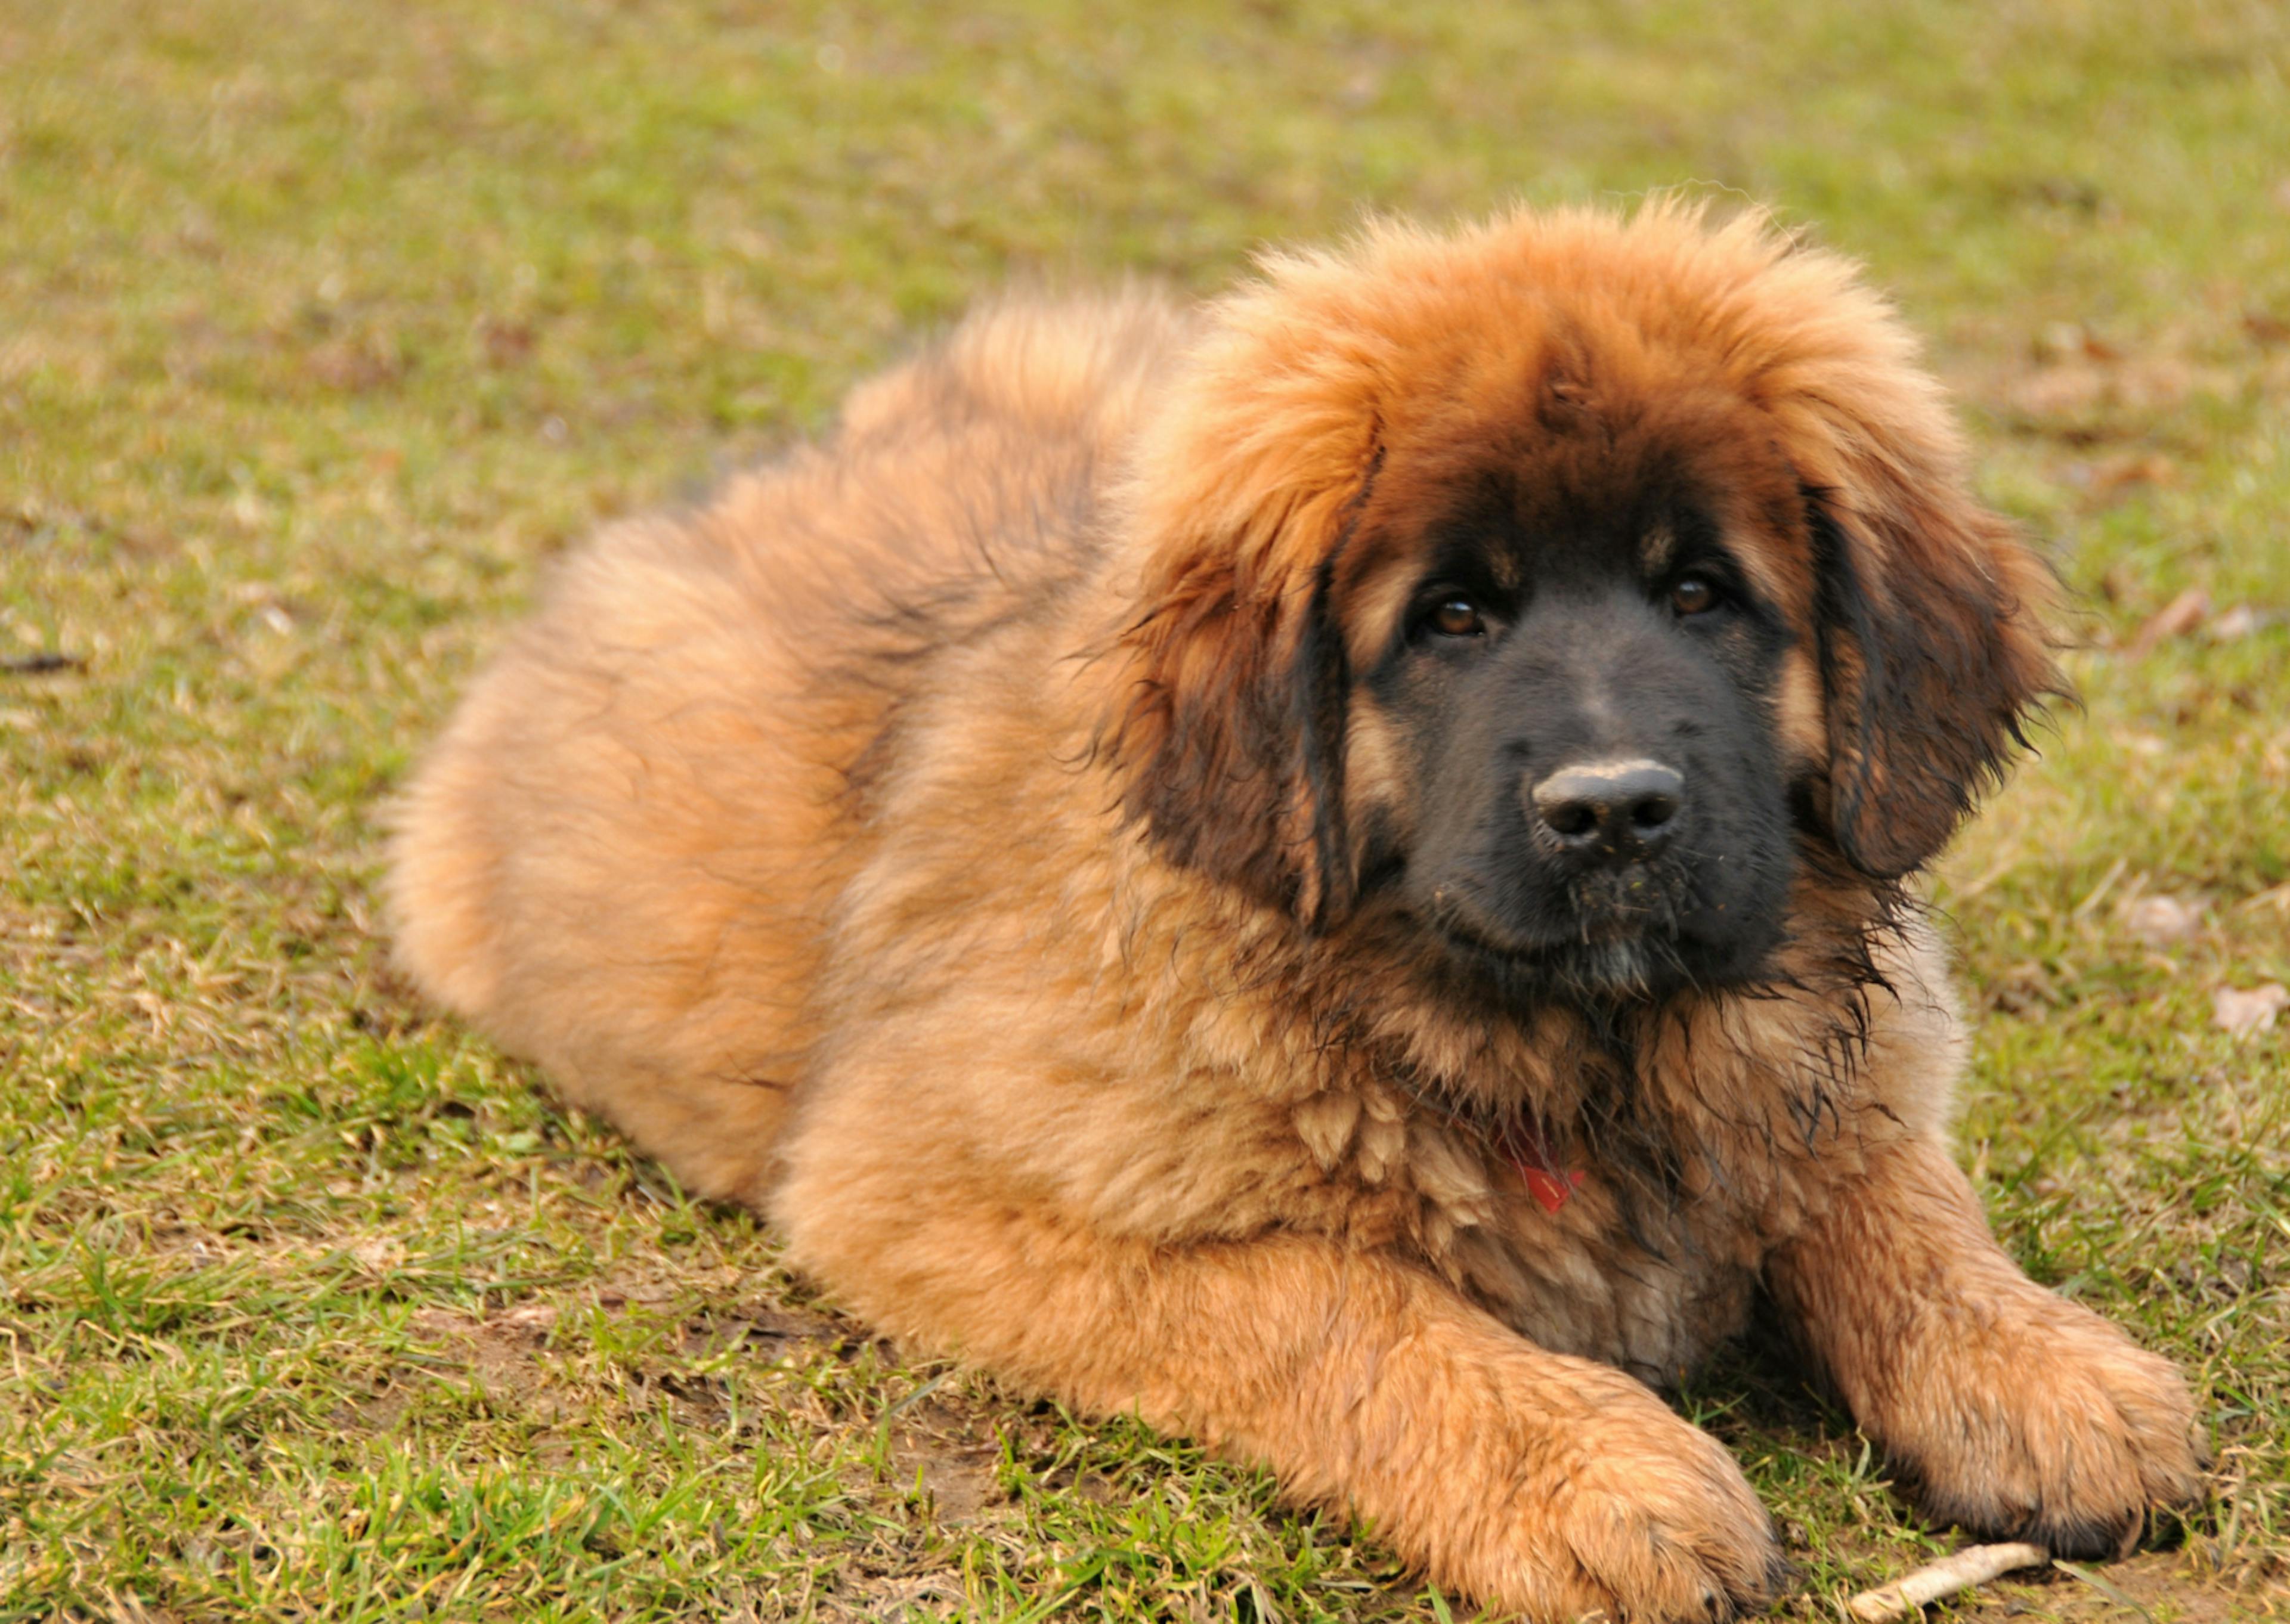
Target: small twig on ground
1974	1564
41	664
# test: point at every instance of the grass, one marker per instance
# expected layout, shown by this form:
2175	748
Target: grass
322	327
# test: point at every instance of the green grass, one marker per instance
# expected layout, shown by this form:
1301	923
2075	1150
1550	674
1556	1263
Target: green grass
324	326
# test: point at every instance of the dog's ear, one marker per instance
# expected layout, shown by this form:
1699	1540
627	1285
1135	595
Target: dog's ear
1241	494
1929	614
1230	740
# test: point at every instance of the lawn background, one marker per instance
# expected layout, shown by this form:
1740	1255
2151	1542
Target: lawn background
324	326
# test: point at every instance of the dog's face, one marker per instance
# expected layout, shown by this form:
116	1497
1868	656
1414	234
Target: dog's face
1549	590
1578	772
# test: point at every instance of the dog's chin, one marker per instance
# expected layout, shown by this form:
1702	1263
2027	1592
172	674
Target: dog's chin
1613	957
1614	968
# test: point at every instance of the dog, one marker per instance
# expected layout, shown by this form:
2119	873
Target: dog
1337	871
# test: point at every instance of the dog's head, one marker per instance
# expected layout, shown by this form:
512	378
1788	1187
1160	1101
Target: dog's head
1549	586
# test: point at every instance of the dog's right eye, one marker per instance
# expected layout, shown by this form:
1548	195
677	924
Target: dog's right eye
1456	617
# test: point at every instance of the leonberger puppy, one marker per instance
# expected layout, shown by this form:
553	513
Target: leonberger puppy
1336	870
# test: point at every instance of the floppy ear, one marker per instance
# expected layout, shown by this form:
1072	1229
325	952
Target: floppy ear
1933	651
1232	742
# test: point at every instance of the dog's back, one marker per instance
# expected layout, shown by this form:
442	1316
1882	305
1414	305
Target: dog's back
618	860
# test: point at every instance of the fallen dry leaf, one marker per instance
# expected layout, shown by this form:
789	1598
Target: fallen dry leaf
2160	922
2060	389
2241	1013
379	1252
2119	474
2059	342
2175	618
2275	897
2238	622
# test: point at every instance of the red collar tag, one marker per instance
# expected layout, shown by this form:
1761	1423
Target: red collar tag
1524	1146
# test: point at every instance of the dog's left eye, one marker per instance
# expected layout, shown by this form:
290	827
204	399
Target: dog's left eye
1694	594
1456	617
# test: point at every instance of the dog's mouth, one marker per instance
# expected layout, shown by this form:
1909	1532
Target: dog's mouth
1615	967
1611	949
1611	906
1637	933
1596	909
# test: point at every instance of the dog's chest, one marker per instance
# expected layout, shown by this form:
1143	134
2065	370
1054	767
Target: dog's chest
1617	1275
1602	1260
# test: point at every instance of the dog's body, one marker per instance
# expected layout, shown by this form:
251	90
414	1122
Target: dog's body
1110	851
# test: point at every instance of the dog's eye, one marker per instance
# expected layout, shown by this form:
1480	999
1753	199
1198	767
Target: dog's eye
1692	594
1456	617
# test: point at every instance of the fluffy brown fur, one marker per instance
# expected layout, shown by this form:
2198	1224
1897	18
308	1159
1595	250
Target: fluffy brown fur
953	841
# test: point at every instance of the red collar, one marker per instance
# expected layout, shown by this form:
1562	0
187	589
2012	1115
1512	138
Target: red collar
1521	1142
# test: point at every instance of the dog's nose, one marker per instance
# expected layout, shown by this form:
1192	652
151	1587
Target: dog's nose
1615	812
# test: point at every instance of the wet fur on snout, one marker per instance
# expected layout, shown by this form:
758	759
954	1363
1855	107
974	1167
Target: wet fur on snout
983	841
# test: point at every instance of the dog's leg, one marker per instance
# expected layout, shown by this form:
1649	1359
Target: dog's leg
2008	1409
1545	1483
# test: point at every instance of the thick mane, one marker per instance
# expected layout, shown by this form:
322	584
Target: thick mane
1230	525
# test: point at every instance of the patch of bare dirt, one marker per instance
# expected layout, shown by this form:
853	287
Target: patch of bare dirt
503	1351
768	1332
2074	386
2168	1586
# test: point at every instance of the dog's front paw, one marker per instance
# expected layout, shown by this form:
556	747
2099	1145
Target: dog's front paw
1637	1516
2044	1423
